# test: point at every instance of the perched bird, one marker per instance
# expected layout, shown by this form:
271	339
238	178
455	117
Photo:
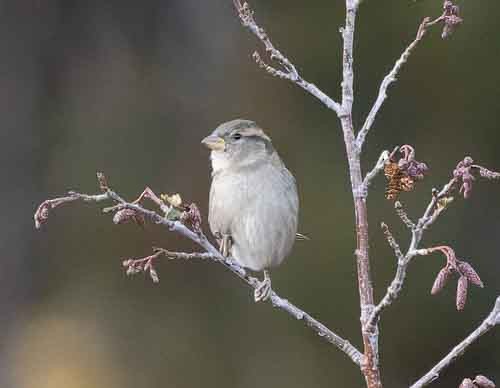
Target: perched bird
254	205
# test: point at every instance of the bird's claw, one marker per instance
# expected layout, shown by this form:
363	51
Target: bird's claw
263	290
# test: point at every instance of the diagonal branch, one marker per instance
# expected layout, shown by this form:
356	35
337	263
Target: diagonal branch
212	253
377	169
390	78
433	210
491	321
288	70
440	200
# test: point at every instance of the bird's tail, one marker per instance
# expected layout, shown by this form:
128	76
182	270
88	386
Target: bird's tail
301	237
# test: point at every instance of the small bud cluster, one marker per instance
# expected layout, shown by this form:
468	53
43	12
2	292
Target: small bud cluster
146	264
451	18
178	211
402	173
464	270
464	173
192	216
128	215
479	382
42	214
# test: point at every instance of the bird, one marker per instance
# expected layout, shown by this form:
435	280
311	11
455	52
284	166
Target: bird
253	202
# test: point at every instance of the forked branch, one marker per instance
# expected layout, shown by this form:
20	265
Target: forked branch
287	69
175	222
391	77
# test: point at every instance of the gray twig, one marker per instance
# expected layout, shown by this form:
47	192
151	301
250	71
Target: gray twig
288	71
377	169
491	321
390	78
401	212
430	215
211	253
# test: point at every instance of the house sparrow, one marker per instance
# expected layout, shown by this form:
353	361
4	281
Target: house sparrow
254	205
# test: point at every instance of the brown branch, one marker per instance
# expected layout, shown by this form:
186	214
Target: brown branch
211	253
370	366
491	321
288	70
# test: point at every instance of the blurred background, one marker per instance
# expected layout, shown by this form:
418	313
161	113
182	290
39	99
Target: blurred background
130	88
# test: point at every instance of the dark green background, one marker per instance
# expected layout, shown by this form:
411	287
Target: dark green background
130	88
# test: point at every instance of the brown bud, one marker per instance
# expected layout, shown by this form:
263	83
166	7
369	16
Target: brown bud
462	292
441	279
466	270
467	383
42	214
484	382
103	182
192	216
126	215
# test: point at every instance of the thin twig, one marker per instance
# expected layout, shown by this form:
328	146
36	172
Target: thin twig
377	169
390	78
401	212
430	215
288	71
491	321
397	283
212	253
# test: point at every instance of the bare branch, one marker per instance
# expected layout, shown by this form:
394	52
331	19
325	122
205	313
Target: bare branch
491	321
288	70
370	367
390	78
348	56
211	253
397	283
439	202
377	169
401	212
430	215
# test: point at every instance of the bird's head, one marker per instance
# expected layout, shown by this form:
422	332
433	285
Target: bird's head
238	143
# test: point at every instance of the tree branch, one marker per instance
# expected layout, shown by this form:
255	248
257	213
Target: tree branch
198	237
288	71
433	210
377	169
370	366
390	78
491	321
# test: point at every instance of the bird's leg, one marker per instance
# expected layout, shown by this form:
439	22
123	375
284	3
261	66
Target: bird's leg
225	244
263	290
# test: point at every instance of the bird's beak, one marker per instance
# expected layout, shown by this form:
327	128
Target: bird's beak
214	142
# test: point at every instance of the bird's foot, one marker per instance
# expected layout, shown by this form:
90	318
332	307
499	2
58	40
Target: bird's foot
263	290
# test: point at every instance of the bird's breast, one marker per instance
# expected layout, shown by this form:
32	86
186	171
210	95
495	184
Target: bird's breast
259	209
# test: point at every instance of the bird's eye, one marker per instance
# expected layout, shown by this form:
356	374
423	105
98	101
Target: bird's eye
237	136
